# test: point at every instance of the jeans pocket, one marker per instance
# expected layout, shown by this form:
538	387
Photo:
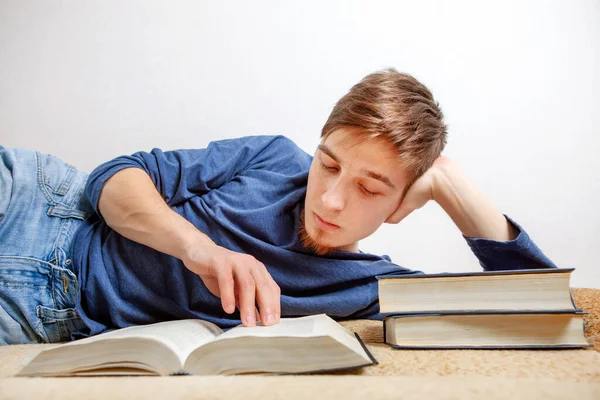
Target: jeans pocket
62	186
37	302
58	324
24	284
55	177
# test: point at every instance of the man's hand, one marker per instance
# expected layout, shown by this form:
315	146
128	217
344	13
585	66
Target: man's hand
238	279
421	191
474	215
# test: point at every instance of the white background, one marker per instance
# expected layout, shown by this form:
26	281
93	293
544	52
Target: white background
518	82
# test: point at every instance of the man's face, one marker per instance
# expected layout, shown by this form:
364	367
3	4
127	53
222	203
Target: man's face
354	185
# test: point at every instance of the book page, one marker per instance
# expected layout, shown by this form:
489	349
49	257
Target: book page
293	345
293	327
182	336
341	334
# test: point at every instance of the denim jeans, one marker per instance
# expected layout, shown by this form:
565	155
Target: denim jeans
41	207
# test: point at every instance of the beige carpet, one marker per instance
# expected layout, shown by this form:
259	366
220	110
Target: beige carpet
461	374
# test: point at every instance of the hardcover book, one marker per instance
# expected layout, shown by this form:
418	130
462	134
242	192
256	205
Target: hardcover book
484	330
295	345
536	290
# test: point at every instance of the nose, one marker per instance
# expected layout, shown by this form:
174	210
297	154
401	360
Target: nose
333	198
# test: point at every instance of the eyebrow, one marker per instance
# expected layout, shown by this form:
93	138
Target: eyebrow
371	174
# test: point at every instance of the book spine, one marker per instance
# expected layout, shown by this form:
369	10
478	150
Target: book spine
507	347
375	362
572	299
477	312
481	273
180	372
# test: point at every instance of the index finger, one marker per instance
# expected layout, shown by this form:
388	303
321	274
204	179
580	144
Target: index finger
246	294
268	295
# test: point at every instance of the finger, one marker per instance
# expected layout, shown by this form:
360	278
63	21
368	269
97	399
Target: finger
277	295
256	313
246	289
277	299
402	212
226	290
267	295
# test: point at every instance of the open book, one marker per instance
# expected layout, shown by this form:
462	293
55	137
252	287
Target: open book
295	345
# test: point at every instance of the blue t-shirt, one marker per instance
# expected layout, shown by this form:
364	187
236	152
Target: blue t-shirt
246	194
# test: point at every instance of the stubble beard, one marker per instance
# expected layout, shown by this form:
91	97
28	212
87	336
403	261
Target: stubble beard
310	243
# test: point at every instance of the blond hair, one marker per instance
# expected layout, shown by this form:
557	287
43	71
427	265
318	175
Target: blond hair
399	108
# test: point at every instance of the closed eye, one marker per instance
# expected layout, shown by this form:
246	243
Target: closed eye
328	168
367	192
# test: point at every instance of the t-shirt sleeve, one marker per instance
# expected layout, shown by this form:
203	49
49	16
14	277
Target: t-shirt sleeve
493	255
520	253
179	175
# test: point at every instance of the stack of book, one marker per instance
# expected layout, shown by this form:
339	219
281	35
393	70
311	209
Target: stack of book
485	310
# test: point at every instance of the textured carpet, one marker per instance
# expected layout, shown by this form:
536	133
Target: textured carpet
412	374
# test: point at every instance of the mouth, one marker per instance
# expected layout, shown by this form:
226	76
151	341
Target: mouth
327	226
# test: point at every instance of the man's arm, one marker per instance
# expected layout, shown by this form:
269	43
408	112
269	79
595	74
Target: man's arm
473	213
134	195
498	242
131	205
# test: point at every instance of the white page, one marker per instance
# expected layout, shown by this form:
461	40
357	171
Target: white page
293	327
310	326
342	335
181	336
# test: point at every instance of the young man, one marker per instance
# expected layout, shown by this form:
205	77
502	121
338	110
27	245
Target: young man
247	228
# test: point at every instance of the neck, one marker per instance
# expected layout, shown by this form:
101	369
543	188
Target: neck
351	248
